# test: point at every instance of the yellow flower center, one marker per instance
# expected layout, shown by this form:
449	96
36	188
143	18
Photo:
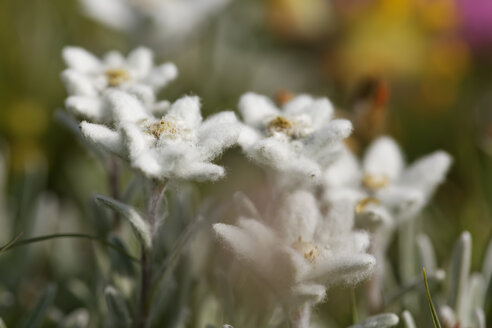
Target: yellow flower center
116	76
309	250
359	208
281	124
375	182
163	128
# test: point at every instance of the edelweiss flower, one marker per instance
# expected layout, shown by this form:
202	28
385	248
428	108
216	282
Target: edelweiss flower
301	138
87	78
301	252
171	19
382	187
178	145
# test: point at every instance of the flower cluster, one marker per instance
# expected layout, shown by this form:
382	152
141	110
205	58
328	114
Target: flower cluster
88	78
318	232
382	190
301	250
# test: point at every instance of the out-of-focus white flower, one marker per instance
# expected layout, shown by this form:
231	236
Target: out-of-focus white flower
179	145
382	186
88	77
301	252
171	20
301	138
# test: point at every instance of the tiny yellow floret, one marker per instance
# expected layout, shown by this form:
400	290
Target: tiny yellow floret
375	182
116	76
309	250
359	208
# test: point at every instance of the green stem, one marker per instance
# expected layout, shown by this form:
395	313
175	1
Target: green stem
153	210
16	243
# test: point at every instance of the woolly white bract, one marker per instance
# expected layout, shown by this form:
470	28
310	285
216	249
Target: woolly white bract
171	20
179	145
382	189
301	138
300	252
88	77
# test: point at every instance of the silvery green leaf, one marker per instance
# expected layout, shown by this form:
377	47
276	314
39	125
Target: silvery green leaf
479	318
37	315
227	326
426	253
460	269
78	318
473	298
408	320
487	263
117	307
2	324
139	225
244	206
378	321
406	248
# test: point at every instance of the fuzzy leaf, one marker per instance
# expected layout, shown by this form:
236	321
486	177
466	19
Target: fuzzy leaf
378	321
2	324
139	225
460	269
244	206
426	253
487	263
37	315
117	307
408	320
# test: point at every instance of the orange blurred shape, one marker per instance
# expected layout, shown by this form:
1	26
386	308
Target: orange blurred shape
283	96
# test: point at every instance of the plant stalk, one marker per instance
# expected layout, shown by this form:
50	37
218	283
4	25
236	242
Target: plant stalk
301	316
153	210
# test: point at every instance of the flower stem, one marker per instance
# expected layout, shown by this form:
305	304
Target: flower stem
301	316
114	187
153	210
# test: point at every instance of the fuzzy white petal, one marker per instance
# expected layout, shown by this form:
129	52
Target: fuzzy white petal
88	107
242	243
218	133
383	158
282	156
298	104
313	293
330	134
202	172
403	202
426	173
125	107
77	83
115	13
104	137
81	60
298	217
187	109
140	60
248	137
344	172
319	110
348	269
255	109
161	75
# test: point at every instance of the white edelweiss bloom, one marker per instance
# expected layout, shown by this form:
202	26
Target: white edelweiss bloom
178	146
301	138
381	186
87	78
300	252
171	20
